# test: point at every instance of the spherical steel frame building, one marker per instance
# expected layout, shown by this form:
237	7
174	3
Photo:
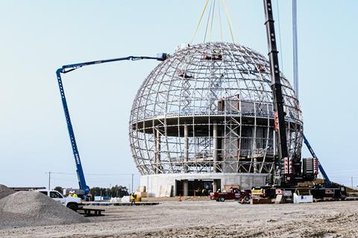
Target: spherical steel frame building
204	118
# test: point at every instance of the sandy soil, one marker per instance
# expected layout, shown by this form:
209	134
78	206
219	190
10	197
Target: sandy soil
210	219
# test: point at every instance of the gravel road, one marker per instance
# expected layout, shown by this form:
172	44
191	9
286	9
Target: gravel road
209	219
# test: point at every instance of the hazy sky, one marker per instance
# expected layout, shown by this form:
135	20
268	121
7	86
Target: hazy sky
37	37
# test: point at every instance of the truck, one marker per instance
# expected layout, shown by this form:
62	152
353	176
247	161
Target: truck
73	203
233	194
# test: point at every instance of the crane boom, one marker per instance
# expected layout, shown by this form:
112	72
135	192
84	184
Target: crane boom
277	93
68	68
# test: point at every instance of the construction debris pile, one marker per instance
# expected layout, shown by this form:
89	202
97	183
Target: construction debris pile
31	208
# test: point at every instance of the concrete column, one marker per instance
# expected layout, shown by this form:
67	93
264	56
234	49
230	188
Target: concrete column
215	145
185	187
215	187
186	147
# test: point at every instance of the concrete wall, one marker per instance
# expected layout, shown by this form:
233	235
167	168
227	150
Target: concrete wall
160	185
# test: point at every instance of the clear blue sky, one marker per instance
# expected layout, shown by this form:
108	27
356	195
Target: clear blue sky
39	36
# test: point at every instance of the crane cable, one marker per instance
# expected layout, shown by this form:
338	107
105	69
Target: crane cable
200	19
210	21
220	24
207	22
226	11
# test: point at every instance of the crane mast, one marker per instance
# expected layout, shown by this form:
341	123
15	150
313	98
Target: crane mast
278	103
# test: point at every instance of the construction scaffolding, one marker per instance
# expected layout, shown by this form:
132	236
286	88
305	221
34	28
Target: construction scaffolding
208	109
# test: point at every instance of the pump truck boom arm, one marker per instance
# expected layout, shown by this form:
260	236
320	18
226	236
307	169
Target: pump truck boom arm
277	90
79	171
68	68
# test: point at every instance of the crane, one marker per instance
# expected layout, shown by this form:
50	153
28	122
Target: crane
278	102
291	168
71	67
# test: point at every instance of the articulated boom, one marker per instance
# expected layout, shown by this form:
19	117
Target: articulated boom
66	69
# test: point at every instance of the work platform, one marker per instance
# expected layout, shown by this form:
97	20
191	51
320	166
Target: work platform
120	203
90	211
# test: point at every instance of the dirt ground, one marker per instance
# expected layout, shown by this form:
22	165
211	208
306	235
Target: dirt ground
190	218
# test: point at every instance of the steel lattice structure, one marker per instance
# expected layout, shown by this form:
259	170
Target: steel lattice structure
208	109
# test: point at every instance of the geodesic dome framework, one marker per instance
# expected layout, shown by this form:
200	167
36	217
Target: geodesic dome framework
208	109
